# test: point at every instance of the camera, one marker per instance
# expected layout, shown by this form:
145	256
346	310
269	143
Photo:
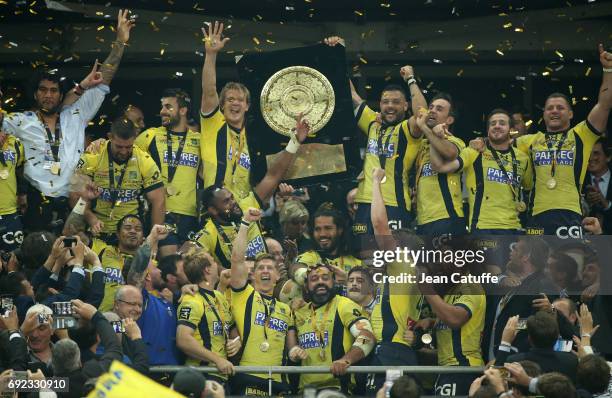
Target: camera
70	241
6	305
118	326
64	315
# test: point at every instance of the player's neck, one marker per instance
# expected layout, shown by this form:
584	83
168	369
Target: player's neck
236	125
504	146
264	291
206	285
180	127
126	250
49	117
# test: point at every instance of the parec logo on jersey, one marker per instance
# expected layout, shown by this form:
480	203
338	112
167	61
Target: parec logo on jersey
244	161
310	340
125	195
564	157
187	159
373	148
113	275
255	246
274	323
9	156
427	171
497	175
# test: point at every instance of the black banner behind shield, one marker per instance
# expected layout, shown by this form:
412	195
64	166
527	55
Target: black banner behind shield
331	153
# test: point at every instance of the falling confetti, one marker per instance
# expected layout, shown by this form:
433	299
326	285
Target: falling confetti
500	52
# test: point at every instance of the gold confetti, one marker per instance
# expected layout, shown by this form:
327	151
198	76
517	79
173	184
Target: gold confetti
363	60
270	41
574	102
519	30
100	28
500	52
368	87
469	47
460	73
256	40
528	123
508	25
545	73
153	26
357	12
585	98
588	71
162	51
385	5
559	54
571	89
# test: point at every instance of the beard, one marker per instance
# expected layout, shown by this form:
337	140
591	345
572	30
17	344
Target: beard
231	215
172	122
320	298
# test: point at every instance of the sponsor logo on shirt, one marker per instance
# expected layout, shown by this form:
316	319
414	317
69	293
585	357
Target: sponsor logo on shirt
564	157
274	323
310	340
113	275
497	175
427	171
244	161
9	156
373	148
218	328
187	159
184	313
255	246
125	195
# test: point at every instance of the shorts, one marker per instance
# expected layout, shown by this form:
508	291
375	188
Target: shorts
398	218
185	227
11	232
389	354
562	223
446	226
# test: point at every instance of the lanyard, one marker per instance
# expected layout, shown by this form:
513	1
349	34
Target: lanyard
513	180
52	138
226	238
173	161
269	310
382	149
553	163
315	326
2	159
217	313
237	154
111	178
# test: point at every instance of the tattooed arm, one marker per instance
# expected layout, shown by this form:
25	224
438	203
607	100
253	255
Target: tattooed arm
111	63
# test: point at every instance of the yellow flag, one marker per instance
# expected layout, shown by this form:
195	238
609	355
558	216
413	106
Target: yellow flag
121	381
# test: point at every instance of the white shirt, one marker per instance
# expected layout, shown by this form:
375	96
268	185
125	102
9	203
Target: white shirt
73	120
603	184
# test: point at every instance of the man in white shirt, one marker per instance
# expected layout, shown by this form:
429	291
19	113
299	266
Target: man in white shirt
54	137
597	190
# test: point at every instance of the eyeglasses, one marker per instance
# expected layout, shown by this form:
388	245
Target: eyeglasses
131	303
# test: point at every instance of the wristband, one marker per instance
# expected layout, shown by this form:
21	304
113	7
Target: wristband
79	208
97	268
293	145
607	70
586	335
588	349
410	81
14	334
505	343
245	223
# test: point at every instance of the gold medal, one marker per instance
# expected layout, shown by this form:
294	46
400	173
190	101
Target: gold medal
426	338
4	174
264	347
322	354
551	183
55	168
171	189
384	179
521	206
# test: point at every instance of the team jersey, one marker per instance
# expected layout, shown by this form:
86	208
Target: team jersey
141	176
332	322
397	147
571	166
12	158
112	261
254	311
154	141
492	202
438	195
461	347
217	238
208	314
396	305
312	258
225	154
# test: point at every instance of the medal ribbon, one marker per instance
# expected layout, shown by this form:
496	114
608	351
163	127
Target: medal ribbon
514	183
54	142
217	313
173	161
553	164
315	326
382	148
268	314
237	154
111	178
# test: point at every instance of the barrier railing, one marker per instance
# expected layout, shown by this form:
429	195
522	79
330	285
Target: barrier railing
325	369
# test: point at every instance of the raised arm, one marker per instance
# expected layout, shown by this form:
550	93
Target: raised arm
111	63
91	80
417	99
157	199
266	187
240	273
212	45
598	117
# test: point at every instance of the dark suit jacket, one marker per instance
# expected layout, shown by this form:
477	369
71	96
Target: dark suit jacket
520	304
606	215
14	353
548	359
